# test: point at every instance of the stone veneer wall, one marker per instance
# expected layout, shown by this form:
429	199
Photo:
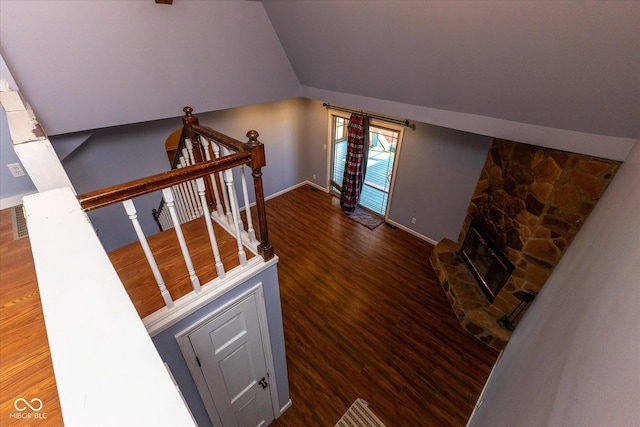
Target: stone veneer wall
531	201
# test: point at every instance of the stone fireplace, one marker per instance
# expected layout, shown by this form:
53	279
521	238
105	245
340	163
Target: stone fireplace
529	203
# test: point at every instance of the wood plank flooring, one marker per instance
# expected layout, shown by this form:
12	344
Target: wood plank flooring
365	316
367	320
135	273
25	362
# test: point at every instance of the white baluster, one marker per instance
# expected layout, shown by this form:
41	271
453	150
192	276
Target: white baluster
216	152
189	146
192	161
228	177
234	191
183	197
133	216
193	190
168	199
178	200
188	191
212	236
165	219
216	194
159	218
247	209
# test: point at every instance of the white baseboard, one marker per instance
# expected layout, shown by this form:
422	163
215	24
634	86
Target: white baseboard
284	408
320	188
293	187
479	402
9	202
410	231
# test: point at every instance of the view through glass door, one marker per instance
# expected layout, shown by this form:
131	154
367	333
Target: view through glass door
384	142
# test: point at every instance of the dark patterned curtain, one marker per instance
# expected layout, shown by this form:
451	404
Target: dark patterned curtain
355	163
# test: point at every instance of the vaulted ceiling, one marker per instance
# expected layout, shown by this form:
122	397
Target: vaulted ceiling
527	70
567	65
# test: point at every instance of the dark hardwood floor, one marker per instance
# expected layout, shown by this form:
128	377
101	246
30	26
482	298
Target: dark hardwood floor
365	316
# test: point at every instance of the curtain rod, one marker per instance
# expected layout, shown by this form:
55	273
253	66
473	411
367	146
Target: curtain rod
404	122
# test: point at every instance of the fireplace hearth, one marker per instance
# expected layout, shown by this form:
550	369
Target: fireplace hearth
486	262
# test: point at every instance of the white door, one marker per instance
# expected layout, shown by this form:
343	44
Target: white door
230	353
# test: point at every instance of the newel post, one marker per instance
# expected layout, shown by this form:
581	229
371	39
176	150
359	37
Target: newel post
187	121
199	155
257	162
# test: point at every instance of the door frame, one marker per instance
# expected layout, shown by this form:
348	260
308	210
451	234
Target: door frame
372	122
189	355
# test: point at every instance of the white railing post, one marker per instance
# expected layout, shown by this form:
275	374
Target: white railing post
130	208
183	196
212	236
216	194
228	177
189	147
165	219
188	191
221	176
179	201
168	199
247	209
192	161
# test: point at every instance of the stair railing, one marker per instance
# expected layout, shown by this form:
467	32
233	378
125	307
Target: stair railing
199	144
184	191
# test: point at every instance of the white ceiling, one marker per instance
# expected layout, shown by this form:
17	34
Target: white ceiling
566	65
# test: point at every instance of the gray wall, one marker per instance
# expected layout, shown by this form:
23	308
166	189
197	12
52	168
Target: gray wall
279	125
123	153
9	186
315	140
168	348
437	172
90	65
116	155
573	360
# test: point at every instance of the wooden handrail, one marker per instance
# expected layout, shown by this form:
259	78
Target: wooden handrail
250	153
121	192
231	143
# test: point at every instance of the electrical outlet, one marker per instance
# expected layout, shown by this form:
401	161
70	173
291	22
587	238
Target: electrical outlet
16	169
413	220
314	176
324	147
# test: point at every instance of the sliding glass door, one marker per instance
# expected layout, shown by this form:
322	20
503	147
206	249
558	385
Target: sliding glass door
384	144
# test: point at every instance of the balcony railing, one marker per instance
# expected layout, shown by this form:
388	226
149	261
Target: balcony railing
107	369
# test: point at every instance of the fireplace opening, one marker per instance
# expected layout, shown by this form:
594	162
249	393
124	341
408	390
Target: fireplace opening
488	265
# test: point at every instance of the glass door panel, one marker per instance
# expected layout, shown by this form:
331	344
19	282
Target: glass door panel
384	142
339	151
